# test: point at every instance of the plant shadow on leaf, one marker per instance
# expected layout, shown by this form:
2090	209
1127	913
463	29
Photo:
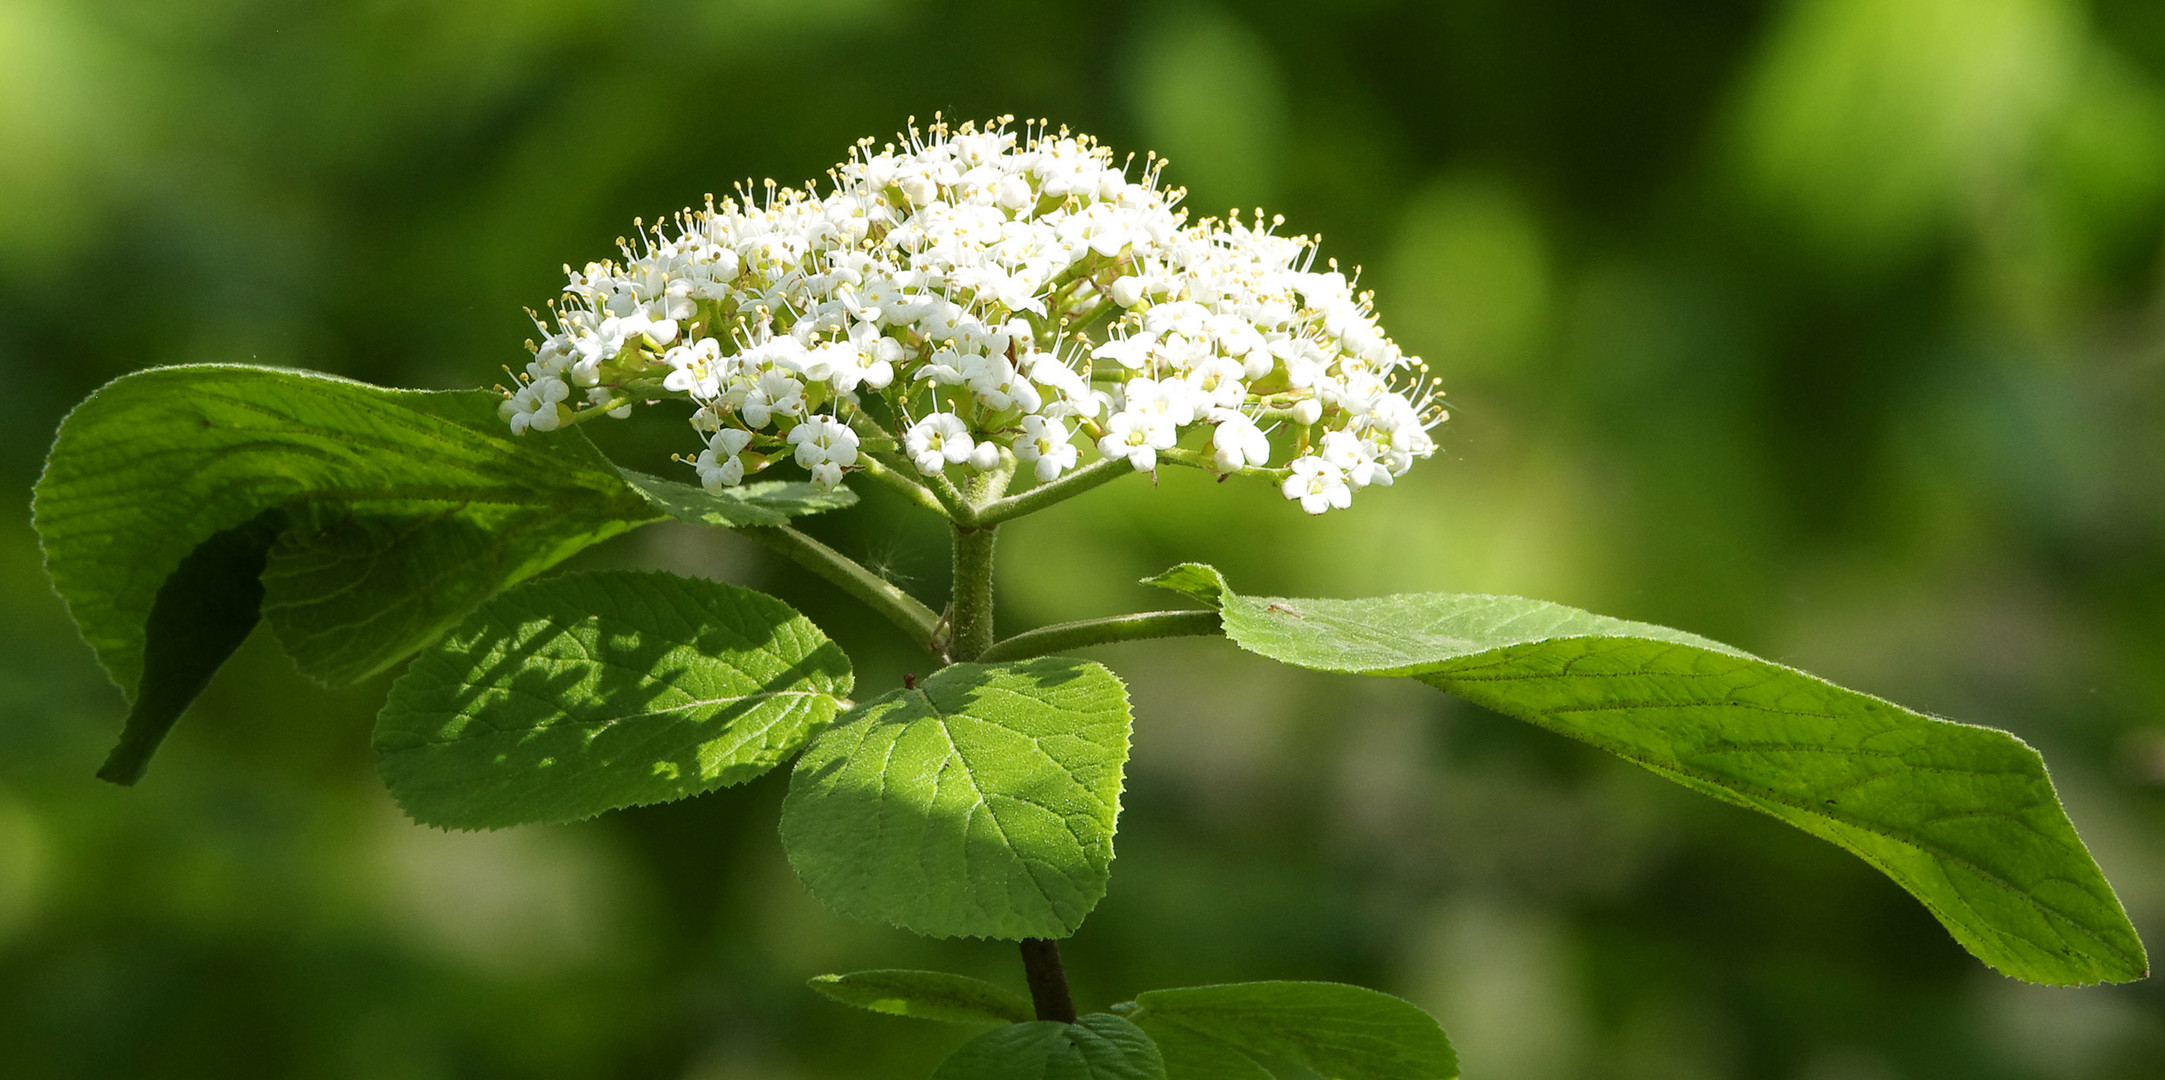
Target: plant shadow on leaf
592	692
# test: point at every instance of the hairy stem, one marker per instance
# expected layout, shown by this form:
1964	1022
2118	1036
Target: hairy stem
917	493
1075	483
970	616
1047	979
878	593
1075	635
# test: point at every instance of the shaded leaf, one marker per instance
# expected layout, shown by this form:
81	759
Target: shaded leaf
1342	1032
202	613
566	697
1192	1055
926	995
1099	1046
980	804
1965	818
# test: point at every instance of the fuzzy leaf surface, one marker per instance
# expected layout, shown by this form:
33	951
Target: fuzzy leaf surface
1964	818
1099	1046
577	694
926	995
979	804
1341	1032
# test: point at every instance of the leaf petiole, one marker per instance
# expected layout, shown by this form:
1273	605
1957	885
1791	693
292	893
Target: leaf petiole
847	574
1083	633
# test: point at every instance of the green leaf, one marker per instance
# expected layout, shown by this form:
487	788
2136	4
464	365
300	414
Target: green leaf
154	463
587	692
771	502
1342	1032
979	804
397	511
1192	1055
403	509
926	995
202	613
1965	818
1099	1046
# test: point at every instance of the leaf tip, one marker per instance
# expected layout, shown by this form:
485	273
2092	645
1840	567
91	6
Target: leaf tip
1195	580
123	766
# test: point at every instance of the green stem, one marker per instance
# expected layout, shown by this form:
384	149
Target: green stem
970	616
878	593
1081	634
969	613
910	489
1102	471
958	507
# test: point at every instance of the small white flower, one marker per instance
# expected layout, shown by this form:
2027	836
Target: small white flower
824	440
1237	443
1127	290
695	369
1044	446
1130	352
718	465
1138	436
1318	485
535	406
937	441
1358	460
775	392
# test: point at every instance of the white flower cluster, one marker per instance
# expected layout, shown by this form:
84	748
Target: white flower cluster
979	300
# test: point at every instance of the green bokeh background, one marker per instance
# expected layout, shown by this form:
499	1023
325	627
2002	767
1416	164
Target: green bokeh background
1831	328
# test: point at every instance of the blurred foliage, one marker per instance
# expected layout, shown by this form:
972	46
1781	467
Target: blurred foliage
1830	328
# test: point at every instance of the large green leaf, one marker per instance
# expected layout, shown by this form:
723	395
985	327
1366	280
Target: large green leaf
587	692
385	516
1963	817
979	804
1099	1046
926	995
1341	1032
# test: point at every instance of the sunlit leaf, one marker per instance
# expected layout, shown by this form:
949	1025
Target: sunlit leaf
582	693
402	509
383	516
979	804
1963	817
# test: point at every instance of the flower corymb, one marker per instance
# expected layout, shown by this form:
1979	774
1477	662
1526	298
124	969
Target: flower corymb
993	302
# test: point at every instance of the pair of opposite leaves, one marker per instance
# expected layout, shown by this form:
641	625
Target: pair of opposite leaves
366	523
